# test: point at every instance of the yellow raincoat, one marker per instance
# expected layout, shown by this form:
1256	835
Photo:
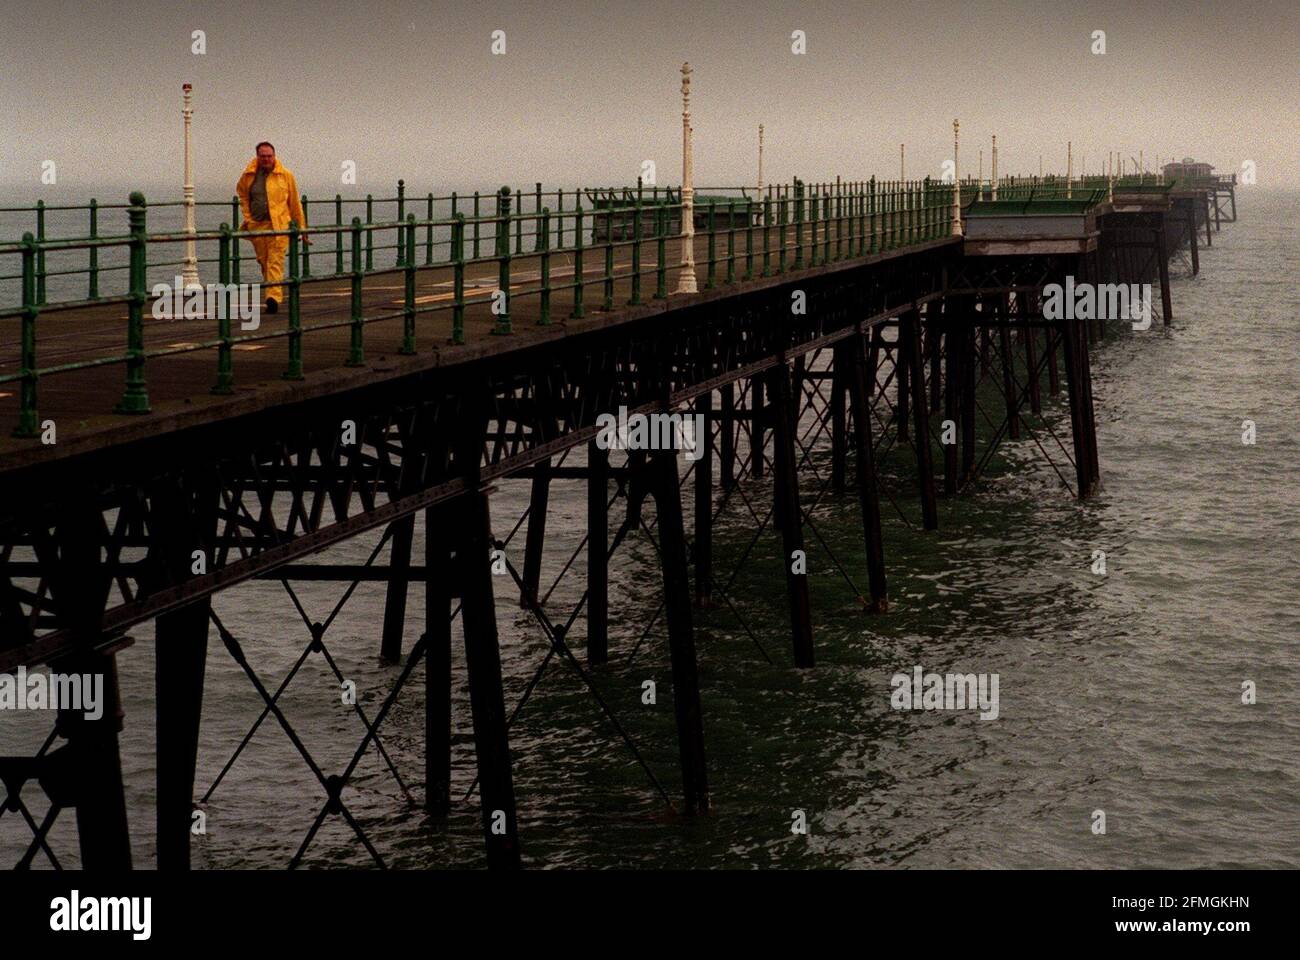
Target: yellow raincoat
283	203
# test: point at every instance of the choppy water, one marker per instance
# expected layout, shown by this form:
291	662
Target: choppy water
1119	692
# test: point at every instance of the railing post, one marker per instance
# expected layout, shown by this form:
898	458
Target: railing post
662	220
136	397
537	209
27	394
578	312
401	219
731	241
370	234
782	217
225	372
609	252
519	222
235	215
93	293
40	252
849	200
636	247
338	235
503	262
356	348
871	215
476	215
293	371
428	233
812	226
408	314
798	224
559	219
544	245
458	275
828	218
306	247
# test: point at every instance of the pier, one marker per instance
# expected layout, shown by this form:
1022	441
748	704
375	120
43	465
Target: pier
420	363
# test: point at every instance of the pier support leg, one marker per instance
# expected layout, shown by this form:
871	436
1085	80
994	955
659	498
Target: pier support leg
788	511
1189	208
967	343
839	431
911	325
486	694
1008	379
703	545
538	504
933	333
181	651
182	648
437	661
756	423
399	578
902	380
81	588
868	497
1030	336
727	431
482	654
101	803
1070	333
681	635
951	394
1162	259
597	554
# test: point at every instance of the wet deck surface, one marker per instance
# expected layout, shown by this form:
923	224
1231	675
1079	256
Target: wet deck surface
81	401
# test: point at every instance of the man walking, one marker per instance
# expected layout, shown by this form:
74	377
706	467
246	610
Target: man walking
268	195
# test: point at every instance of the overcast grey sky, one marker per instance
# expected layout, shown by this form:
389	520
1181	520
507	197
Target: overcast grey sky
588	90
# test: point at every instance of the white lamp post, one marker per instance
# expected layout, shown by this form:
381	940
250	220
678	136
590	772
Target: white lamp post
956	186
190	266
994	175
686	279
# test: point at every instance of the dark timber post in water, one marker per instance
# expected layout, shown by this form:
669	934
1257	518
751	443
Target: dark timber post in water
786	488
1074	387
189	523
539	497
1031	350
966	340
868	496
727	427
94	784
1162	263
839	433
597	554
951	384
681	635
482	654
1008	369
911	327
390	649
704	502
901	372
438	593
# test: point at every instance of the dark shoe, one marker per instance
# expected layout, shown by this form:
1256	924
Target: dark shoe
272	305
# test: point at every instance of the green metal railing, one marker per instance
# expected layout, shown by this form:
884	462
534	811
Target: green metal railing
831	222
